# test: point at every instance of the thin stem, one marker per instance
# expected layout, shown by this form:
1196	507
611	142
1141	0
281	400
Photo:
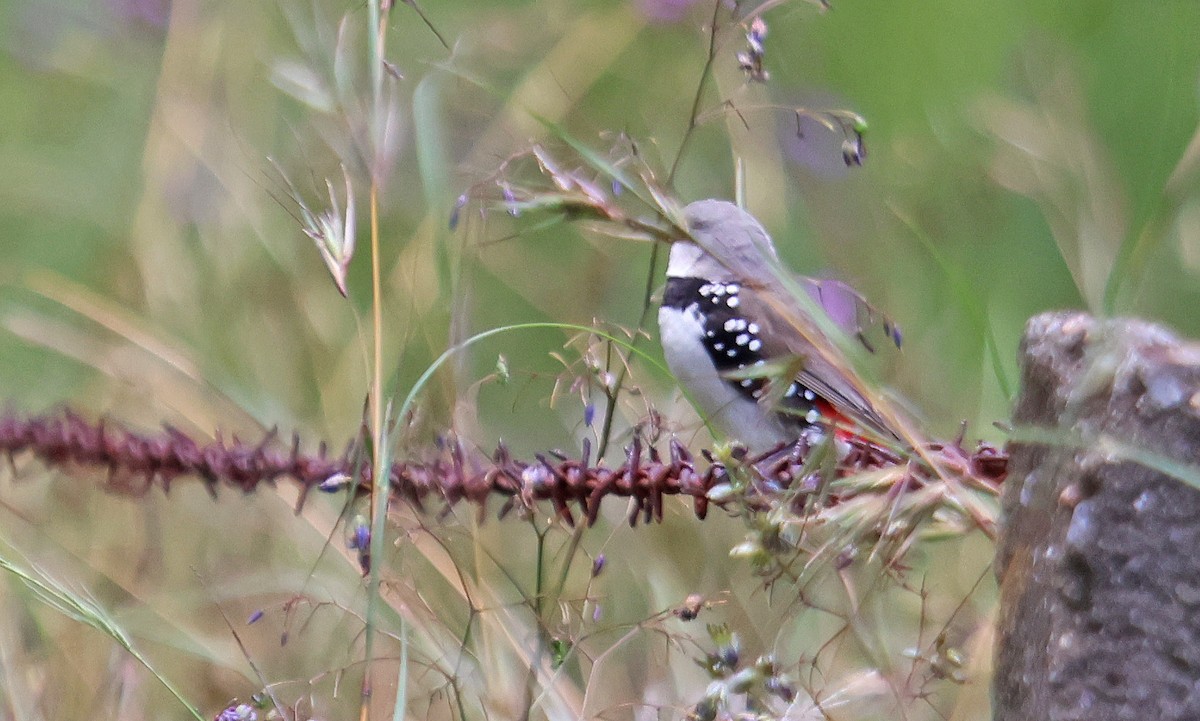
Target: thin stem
375	55
377	329
542	645
428	23
704	75
612	395
652	275
376	37
380	489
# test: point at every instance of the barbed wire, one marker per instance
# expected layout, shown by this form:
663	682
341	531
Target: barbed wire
136	463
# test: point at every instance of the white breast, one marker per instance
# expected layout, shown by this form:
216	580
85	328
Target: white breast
728	411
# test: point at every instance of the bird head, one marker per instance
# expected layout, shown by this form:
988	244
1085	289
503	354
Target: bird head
726	244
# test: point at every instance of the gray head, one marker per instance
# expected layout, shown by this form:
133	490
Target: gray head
730	244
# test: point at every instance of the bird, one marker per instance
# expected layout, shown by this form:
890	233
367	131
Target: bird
724	337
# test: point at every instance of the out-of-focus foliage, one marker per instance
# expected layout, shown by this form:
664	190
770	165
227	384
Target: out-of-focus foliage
1020	157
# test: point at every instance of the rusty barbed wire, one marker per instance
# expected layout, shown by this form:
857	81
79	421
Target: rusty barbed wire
136	463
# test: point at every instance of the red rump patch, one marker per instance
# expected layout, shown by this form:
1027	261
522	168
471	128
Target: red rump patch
844	427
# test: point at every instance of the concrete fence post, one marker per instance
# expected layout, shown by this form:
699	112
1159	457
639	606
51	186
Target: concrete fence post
1099	555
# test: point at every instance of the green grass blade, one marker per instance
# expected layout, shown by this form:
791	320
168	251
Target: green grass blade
82	608
970	301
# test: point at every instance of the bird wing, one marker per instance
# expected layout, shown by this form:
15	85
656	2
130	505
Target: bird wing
824	373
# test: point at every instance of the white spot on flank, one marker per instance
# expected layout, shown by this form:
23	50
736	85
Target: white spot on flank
728	407
732	288
732	301
709	334
809	395
742	339
812	416
791	391
747	383
754	328
730	325
731	352
755	345
706	290
718	290
718	346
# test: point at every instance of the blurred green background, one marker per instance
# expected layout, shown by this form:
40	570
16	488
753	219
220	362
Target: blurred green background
1021	157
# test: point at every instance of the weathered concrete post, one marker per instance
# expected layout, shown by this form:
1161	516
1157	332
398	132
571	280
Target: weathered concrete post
1099	557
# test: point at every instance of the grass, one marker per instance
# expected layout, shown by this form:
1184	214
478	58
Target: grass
157	271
